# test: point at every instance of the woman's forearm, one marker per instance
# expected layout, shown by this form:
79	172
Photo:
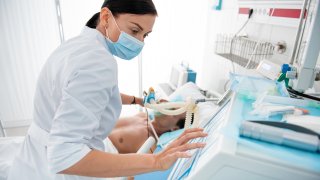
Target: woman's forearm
101	164
126	99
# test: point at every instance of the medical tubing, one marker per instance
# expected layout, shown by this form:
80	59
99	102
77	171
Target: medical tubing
236	34
173	112
153	130
195	117
155	134
147	145
206	100
254	51
167	105
187	123
297	93
164	108
200	100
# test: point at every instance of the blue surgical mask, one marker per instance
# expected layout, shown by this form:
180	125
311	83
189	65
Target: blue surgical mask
127	47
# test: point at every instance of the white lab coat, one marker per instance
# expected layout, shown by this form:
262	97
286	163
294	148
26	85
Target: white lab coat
76	105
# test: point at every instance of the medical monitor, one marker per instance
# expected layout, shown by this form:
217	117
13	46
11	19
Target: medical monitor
178	76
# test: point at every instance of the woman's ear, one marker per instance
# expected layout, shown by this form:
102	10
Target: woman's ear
104	17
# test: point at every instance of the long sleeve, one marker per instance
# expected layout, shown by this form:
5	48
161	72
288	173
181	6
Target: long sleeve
85	94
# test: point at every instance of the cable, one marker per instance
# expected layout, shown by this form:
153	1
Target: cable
292	91
259	41
253	53
226	84
244	25
148	134
236	34
233	38
153	130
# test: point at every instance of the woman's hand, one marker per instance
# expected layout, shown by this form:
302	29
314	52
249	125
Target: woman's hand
177	149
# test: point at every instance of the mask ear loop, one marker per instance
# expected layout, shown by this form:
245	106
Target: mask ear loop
114	20
107	33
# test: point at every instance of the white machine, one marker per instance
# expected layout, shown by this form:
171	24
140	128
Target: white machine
178	77
269	69
228	156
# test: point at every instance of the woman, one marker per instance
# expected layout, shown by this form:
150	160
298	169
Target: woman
77	103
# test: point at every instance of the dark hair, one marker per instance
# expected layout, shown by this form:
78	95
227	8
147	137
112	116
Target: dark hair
180	123
122	7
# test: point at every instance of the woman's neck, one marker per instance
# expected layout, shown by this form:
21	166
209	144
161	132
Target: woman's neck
101	29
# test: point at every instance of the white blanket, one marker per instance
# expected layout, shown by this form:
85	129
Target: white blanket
9	147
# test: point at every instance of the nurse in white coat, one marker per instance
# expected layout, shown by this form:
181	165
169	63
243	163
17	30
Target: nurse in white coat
77	103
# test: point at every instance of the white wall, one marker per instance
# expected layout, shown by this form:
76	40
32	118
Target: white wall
76	13
28	34
216	68
179	35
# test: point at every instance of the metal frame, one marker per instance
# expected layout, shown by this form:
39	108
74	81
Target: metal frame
59	18
245	52
307	69
2	132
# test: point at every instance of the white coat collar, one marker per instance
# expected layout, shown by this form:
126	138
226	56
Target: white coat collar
86	31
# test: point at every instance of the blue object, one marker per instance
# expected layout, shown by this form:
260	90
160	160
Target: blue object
285	68
192	75
281	133
169	136
286	155
150	96
151	115
218	6
250	87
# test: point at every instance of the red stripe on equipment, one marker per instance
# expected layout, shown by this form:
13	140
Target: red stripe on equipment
286	13
244	10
